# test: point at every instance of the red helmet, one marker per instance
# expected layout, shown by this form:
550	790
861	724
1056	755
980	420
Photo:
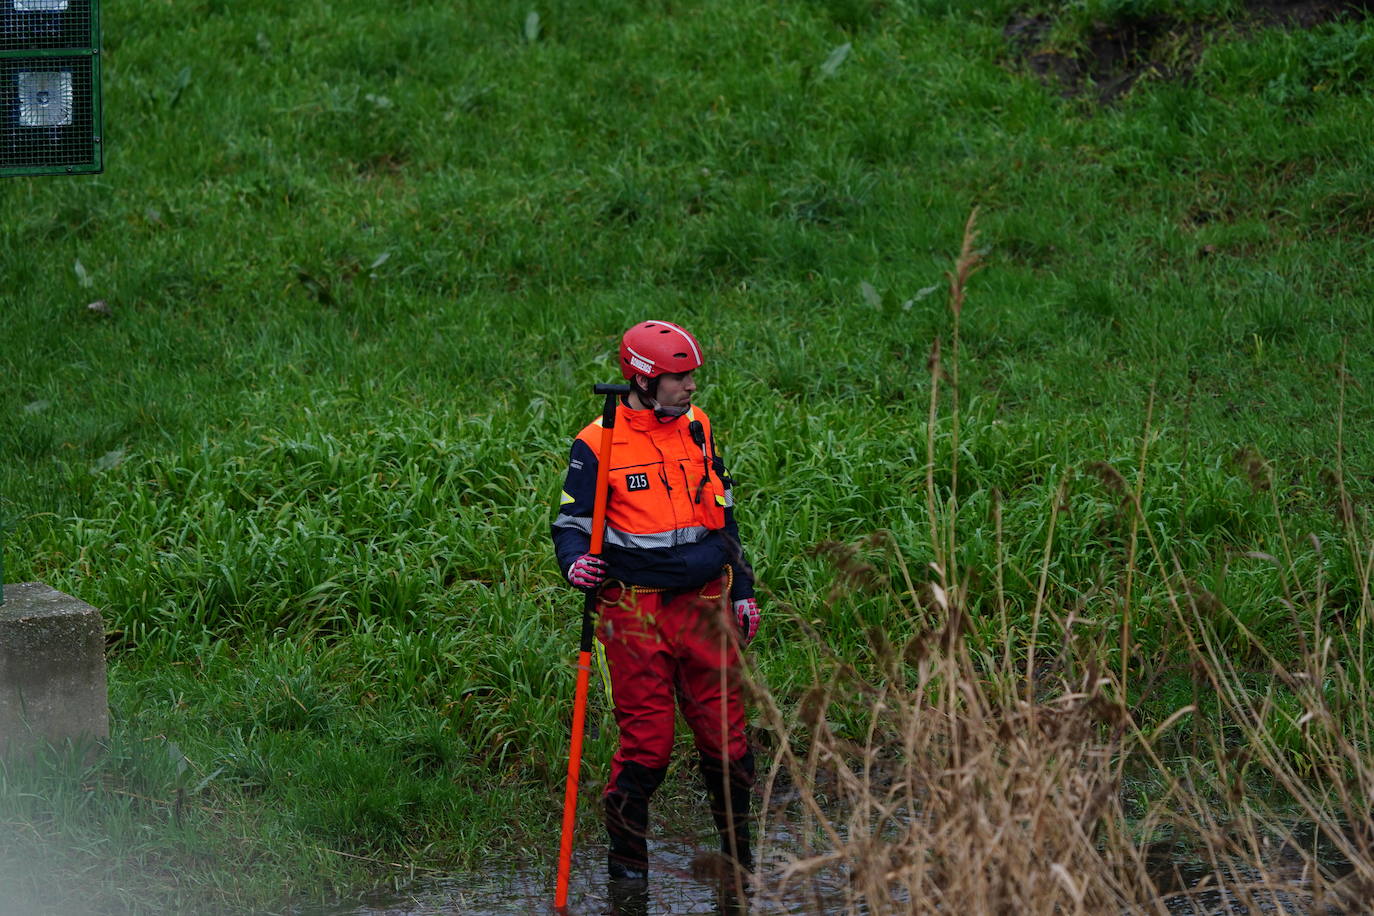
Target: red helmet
654	347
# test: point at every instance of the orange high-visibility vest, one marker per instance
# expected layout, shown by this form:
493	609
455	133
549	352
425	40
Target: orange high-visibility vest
664	489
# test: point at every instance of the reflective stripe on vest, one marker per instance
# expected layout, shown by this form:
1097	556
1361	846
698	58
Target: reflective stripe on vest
636	541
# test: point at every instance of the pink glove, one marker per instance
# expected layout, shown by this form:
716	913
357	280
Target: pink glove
747	616
587	571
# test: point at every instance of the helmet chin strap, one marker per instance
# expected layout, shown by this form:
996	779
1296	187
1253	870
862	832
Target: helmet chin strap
661	413
667	414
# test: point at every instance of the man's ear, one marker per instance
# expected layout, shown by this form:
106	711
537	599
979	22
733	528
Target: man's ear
641	382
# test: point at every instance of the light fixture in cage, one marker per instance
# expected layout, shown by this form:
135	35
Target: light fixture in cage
50	113
45	98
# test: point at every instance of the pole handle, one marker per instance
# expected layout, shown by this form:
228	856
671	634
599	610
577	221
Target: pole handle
613	394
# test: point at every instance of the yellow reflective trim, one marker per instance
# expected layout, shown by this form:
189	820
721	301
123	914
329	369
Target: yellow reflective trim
720	500
566	499
604	668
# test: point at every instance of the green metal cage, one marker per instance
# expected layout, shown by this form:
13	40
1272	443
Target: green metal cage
50	119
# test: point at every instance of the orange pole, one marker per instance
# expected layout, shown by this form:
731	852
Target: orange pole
584	656
584	667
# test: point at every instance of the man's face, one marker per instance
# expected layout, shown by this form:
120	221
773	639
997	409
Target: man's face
675	389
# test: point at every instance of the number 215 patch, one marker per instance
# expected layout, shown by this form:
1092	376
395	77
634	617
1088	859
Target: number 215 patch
636	482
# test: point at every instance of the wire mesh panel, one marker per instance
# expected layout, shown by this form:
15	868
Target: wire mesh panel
27	25
49	87
48	106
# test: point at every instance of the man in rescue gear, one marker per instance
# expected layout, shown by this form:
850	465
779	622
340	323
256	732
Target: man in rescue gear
673	582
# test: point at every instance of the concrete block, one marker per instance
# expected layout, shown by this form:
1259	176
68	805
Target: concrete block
52	669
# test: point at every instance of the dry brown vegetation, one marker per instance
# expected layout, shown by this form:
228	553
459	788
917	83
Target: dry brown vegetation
967	795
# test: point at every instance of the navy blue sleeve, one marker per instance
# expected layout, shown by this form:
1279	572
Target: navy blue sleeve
742	585
572	527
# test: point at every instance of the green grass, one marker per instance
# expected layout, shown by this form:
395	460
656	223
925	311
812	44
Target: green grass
362	266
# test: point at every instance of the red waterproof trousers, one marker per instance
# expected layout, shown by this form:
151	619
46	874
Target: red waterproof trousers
664	648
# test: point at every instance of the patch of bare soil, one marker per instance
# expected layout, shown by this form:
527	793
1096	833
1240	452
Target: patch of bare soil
1113	56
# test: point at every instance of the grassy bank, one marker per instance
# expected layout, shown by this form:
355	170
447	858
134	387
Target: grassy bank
359	269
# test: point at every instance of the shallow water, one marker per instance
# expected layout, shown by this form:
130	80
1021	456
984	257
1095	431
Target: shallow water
672	889
677	886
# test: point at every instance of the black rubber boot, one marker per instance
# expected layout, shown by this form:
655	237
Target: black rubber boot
628	897
731	815
627	822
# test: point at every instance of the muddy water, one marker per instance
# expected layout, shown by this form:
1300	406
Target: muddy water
678	886
673	889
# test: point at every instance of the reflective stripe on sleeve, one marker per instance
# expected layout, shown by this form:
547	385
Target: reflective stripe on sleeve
572	521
